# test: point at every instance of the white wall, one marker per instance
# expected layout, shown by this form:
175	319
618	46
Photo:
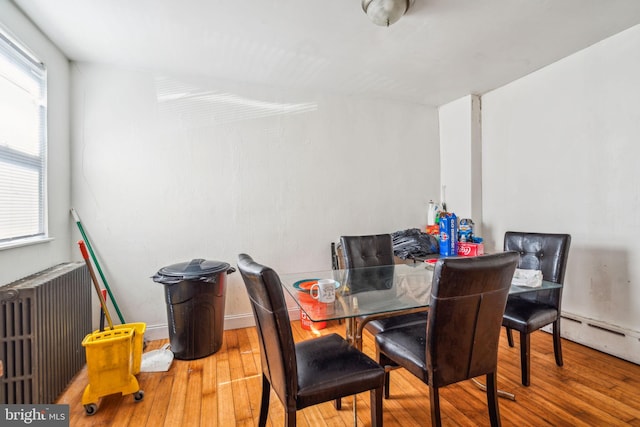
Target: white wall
169	168
560	154
461	158
18	262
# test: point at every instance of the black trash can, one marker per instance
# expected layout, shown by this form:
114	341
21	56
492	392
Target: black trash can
195	296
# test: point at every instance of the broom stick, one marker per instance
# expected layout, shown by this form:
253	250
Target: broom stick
95	261
103	303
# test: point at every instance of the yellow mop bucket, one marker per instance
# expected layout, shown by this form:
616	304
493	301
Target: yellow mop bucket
138	343
110	365
113	356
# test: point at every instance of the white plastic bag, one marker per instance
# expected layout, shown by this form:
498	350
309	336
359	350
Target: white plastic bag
157	360
528	278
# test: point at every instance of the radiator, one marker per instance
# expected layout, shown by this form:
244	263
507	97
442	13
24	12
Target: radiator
43	320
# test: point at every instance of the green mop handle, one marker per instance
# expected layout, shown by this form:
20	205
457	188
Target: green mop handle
95	261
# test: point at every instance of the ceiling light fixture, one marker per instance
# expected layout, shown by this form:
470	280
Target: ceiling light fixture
385	12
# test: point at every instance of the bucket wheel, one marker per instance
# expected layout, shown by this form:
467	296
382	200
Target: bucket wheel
90	409
138	395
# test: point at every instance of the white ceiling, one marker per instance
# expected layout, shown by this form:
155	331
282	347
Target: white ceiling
440	51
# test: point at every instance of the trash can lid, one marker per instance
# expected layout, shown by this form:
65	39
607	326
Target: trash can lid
194	269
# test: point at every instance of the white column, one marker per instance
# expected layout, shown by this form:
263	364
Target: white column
461	157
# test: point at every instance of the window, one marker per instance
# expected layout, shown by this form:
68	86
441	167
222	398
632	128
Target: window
23	112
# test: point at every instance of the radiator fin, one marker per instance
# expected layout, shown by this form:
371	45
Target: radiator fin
43	320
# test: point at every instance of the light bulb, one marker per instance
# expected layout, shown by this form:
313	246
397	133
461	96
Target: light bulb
385	12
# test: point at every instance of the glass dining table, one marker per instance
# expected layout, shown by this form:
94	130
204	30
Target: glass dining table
369	293
363	294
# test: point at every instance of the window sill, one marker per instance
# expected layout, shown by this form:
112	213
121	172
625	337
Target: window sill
24	242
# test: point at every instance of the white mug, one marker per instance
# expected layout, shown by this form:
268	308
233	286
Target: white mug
325	290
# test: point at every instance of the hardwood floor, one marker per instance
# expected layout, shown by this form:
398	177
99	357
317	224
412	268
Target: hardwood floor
592	389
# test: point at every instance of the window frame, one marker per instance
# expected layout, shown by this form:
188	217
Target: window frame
19	55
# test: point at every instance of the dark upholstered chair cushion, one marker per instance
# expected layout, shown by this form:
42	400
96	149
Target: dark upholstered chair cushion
526	316
388	323
329	367
407	344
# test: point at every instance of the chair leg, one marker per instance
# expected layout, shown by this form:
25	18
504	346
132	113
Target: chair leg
434	399
509	337
386	383
557	344
264	403
375	397
524	358
492	400
388	364
290	418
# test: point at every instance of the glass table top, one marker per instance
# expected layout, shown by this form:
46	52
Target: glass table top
372	290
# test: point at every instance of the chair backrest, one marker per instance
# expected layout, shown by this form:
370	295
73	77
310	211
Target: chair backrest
368	251
541	251
468	298
277	348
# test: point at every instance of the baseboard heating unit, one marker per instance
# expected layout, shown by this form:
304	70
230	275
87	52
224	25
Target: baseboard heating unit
43	320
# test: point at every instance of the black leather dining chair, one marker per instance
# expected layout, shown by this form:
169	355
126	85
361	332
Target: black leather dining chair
528	312
373	251
308	372
459	340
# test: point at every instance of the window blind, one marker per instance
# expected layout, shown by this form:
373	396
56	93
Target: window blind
22	143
